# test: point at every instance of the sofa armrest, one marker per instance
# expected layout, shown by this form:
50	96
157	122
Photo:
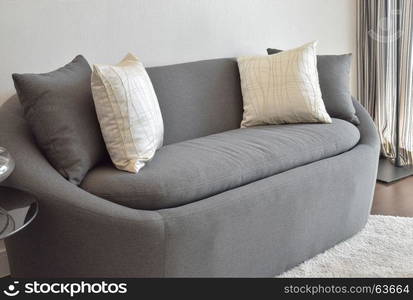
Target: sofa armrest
106	232
368	130
34	174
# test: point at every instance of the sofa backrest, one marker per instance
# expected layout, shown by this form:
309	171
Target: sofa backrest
198	98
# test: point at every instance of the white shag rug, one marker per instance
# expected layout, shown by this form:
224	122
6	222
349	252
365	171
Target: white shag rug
384	248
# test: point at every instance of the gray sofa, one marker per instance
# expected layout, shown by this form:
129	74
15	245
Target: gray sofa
215	201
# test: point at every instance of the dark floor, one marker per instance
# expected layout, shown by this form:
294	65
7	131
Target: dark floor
394	199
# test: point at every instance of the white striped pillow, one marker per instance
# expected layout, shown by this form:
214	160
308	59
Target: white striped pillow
282	88
128	113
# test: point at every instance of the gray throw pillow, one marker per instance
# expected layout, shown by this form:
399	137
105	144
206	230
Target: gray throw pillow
58	107
334	76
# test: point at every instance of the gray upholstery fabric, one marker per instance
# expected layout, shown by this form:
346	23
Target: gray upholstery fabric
334	73
192	170
75	233
60	110
271	225
198	98
260	229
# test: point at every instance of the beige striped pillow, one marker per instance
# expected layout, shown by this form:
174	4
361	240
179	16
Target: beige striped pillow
128	113
282	88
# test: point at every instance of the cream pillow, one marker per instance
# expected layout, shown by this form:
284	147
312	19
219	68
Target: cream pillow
282	88
128	112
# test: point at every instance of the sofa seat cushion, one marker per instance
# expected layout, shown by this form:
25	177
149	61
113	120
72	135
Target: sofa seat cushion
192	170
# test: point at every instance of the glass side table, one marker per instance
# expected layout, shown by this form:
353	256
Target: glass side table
15	215
19	212
6	164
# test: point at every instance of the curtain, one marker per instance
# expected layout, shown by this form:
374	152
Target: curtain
385	70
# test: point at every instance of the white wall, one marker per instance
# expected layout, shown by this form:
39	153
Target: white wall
40	35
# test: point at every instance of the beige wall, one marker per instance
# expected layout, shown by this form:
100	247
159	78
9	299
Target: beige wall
39	35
